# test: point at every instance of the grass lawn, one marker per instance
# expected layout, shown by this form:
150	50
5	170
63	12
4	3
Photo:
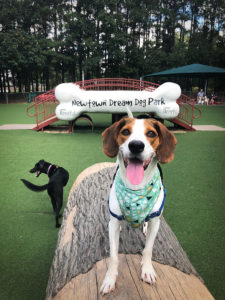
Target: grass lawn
14	114
194	208
211	115
28	233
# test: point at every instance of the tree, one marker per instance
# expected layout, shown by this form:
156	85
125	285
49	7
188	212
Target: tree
45	42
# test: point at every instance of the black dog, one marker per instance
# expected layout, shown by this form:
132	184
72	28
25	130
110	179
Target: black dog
58	178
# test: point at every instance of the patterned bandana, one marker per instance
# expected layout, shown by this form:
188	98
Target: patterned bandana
137	205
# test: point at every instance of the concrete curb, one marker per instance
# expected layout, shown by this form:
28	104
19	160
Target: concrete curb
16	126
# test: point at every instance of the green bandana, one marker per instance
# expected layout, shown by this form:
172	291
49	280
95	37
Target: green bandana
137	205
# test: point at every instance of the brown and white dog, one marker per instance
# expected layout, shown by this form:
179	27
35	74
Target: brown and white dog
140	144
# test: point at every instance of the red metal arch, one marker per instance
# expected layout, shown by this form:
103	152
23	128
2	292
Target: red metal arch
44	105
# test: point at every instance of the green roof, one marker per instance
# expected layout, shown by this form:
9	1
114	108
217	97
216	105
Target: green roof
194	70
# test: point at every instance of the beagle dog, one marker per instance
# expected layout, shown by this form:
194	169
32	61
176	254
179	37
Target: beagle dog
137	194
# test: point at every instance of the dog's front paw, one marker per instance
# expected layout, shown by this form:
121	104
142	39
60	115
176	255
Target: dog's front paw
148	273
108	284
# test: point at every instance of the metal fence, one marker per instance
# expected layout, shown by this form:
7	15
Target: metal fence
220	96
91	84
18	97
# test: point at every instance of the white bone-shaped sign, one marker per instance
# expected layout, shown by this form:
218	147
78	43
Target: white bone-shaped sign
74	101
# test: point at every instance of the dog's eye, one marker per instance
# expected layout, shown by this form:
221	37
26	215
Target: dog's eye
151	133
125	132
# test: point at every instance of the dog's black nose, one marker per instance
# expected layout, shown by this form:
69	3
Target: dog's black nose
136	146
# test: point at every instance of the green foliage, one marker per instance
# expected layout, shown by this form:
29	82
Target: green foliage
50	42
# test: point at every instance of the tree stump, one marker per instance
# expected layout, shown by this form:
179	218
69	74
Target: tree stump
82	251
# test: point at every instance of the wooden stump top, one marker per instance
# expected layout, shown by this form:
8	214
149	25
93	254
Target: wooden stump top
171	283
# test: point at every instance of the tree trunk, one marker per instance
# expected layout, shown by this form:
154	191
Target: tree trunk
83	237
7	79
36	82
1	81
14	82
47	79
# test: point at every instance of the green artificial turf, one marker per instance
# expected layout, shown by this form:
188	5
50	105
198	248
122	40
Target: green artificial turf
194	207
195	203
15	114
27	225
211	115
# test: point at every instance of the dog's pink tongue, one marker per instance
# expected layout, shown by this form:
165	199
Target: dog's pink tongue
135	172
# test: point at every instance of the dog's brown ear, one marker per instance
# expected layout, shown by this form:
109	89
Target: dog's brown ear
167	143
109	138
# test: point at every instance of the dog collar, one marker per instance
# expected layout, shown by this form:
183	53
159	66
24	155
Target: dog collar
49	169
136	206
